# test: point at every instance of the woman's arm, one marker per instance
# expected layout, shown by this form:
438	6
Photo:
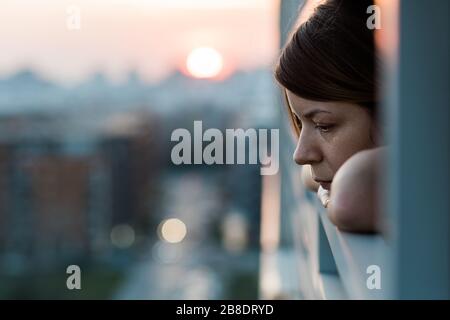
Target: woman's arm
354	197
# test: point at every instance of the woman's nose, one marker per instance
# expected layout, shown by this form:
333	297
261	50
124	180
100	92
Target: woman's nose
306	151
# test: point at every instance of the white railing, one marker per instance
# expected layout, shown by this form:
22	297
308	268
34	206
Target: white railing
332	264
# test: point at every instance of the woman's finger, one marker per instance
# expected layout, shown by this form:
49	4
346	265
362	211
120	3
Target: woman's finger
324	196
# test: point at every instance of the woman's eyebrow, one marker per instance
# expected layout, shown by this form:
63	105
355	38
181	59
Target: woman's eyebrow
307	115
312	113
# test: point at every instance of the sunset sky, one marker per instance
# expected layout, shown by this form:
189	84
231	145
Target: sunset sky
153	36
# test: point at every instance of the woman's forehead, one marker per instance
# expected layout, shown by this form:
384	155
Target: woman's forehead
308	108
305	106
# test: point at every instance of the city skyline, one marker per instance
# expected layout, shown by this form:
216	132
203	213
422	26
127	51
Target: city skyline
151	36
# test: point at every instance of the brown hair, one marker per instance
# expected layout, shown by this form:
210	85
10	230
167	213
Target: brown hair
331	56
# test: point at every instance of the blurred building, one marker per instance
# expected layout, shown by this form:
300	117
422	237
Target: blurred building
5	162
62	193
243	197
130	148
58	188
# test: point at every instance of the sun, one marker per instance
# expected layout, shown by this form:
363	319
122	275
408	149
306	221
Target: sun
204	62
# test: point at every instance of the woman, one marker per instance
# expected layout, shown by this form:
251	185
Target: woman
328	74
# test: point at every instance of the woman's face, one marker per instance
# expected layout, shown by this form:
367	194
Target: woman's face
330	133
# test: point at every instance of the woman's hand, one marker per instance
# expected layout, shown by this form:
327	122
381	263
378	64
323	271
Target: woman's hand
324	196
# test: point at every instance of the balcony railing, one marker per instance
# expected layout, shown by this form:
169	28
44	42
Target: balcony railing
314	260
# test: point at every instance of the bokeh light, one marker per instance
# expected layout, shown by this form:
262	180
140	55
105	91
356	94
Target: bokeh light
122	236
173	230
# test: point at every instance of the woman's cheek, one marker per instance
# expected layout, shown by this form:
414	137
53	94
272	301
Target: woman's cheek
349	141
339	151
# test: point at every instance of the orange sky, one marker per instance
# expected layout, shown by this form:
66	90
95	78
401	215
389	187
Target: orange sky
154	36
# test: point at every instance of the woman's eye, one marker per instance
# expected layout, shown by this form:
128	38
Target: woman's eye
323	127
